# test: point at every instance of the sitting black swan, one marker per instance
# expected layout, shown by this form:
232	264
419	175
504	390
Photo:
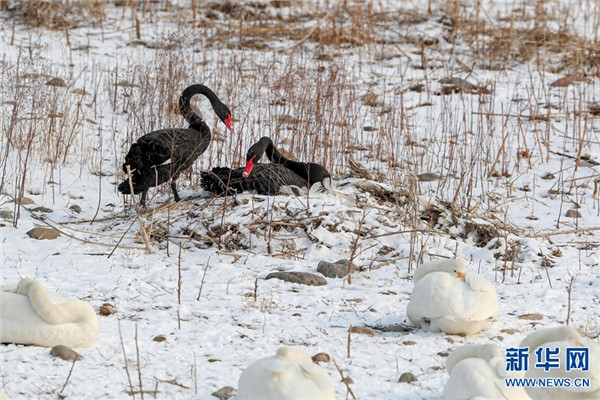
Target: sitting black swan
161	155
265	179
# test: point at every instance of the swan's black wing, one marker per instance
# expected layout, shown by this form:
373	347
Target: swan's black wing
265	179
161	155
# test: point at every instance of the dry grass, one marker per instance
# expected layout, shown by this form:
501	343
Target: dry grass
292	82
62	14
529	33
357	89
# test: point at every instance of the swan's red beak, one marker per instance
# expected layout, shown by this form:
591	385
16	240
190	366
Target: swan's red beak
249	166
229	123
461	275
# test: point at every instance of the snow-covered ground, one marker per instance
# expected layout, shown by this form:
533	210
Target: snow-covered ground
512	160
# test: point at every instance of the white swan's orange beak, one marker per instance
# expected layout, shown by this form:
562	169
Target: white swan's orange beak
461	275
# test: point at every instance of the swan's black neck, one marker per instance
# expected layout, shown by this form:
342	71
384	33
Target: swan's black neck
310	172
186	108
266	146
272	153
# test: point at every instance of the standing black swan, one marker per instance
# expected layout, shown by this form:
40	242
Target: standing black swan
161	155
265	178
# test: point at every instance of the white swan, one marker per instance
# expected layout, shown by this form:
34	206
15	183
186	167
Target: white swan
478	372
450	299
562	337
289	375
29	315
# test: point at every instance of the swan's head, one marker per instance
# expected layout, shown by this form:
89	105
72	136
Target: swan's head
485	352
224	115
249	166
563	333
488	351
24	285
227	121
293	354
255	152
454	267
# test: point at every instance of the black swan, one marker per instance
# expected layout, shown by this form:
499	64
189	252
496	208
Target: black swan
265	178
161	155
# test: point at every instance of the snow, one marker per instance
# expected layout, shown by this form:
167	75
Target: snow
225	314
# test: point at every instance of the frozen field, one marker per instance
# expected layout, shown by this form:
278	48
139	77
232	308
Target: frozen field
361	87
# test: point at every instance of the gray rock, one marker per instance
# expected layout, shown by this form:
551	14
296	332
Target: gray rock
572	213
337	269
407	377
303	278
6	214
428	177
417	87
321	357
65	353
365	278
56	82
531	316
75	208
454	85
42	209
395	328
363	330
41	233
160	338
224	393
25	201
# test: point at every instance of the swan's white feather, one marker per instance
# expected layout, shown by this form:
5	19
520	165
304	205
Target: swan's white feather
478	372
289	375
562	337
442	301
33	316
